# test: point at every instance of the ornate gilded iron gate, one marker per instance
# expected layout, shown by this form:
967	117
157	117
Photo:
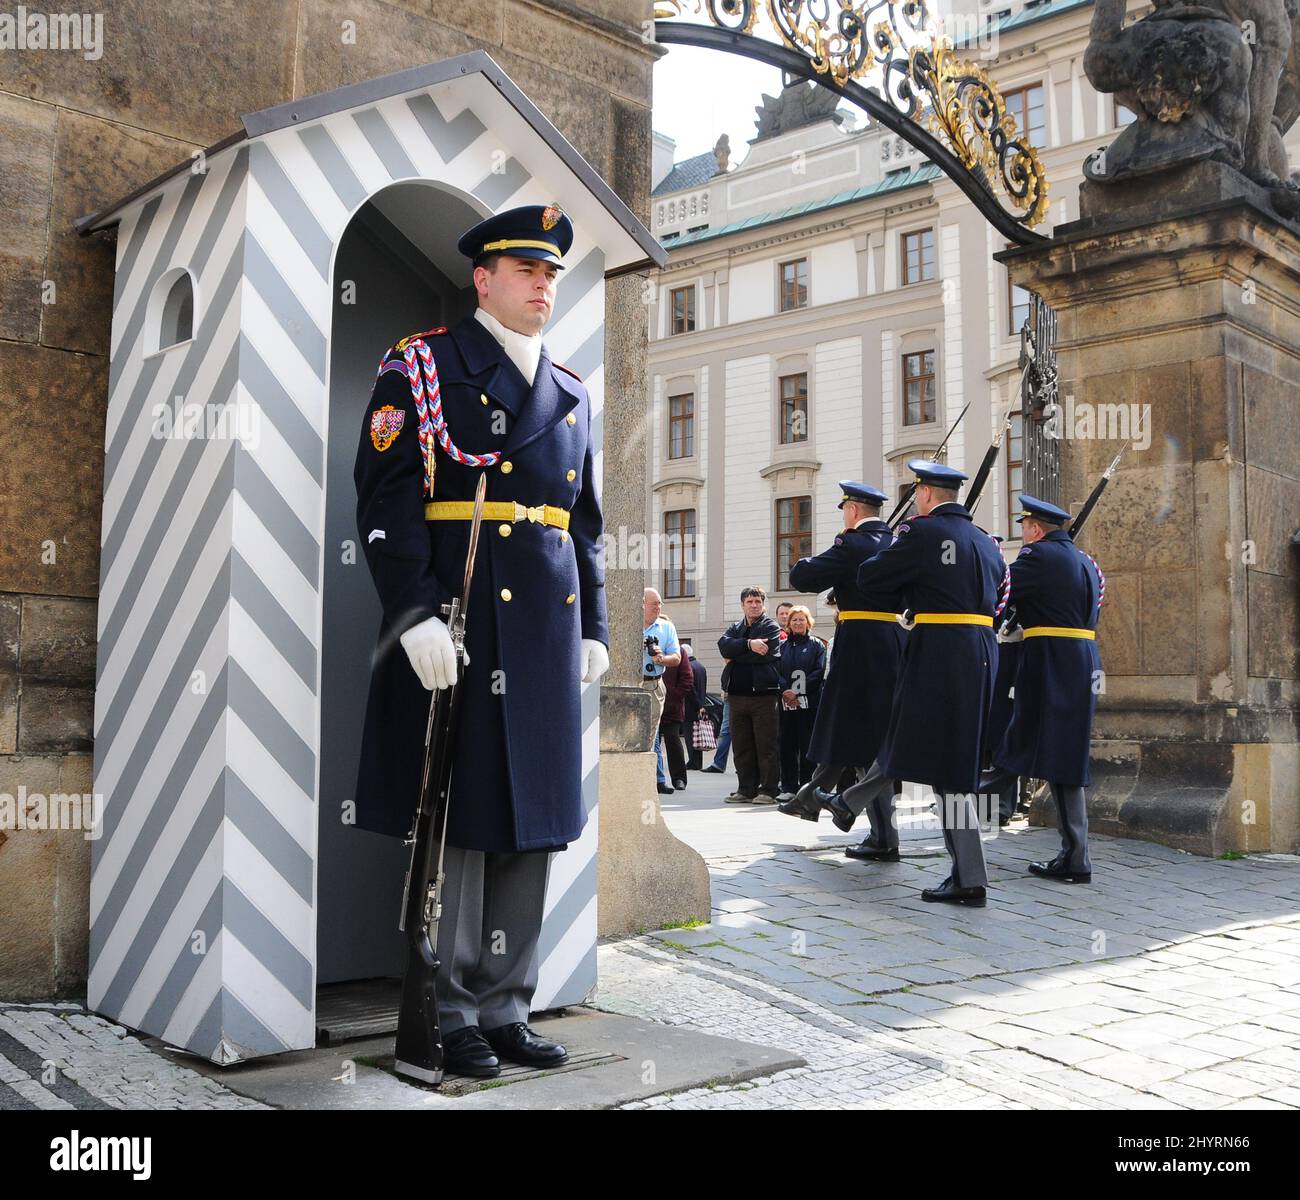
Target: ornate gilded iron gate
1042	452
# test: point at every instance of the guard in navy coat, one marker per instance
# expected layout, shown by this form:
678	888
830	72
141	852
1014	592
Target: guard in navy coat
858	694
1058	592
448	407
954	582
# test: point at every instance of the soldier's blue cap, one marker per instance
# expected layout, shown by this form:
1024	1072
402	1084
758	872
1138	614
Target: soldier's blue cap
1032	506
936	473
860	491
541	231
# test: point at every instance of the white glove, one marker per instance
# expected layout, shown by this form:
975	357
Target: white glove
905	619
432	653
1010	634
594	660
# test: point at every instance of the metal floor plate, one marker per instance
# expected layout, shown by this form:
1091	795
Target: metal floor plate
360	1008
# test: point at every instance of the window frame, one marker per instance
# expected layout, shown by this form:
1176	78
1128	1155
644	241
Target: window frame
688	317
1013	532
675	419
781	439
683	577
802	534
904	275
1024	125
781	306
932	376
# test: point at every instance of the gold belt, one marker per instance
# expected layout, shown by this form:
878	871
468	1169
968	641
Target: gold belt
497	510
953	619
863	614
1060	631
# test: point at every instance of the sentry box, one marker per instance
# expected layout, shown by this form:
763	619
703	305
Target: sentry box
236	614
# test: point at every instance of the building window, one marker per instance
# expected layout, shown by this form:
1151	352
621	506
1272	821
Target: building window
679	553
1026	105
794	284
1015	457
794	408
681	426
918	388
918	256
683	309
1017	308
177	313
1123	115
793	536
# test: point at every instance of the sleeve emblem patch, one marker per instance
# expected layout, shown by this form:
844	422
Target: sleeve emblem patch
385	425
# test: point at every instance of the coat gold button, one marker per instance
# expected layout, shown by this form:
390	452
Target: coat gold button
564	537
507	467
503	530
570	598
571	475
572	420
505	593
482	398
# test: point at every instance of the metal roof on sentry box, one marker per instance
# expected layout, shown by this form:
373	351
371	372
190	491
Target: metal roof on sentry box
913	178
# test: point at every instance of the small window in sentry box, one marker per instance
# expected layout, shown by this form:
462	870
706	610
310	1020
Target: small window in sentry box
177	318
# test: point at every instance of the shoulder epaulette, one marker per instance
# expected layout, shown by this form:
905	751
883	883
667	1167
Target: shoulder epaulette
568	371
406	341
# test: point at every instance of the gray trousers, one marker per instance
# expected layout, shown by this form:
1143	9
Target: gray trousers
487	939
1072	823
961	835
872	794
1071	814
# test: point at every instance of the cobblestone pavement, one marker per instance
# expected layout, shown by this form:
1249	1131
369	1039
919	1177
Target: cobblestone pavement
60	1056
1170	982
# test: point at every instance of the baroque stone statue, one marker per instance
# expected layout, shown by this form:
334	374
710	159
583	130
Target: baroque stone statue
1215	80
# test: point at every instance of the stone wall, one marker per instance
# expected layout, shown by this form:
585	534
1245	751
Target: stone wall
76	134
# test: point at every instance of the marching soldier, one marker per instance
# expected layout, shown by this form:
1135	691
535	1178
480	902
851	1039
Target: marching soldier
447	407
858	692
952	577
1058	590
1004	683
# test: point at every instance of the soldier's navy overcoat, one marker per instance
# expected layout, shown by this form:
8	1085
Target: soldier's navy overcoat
941	563
1054	584
858	694
517	775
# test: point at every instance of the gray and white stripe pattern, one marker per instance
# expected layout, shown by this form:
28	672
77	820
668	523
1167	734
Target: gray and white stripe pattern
203	927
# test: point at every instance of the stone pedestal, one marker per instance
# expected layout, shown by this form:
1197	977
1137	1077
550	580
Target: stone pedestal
1194	319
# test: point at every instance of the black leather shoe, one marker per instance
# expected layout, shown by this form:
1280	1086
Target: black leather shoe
521	1045
467	1053
712	770
792	808
841	813
868	852
948	893
666	789
1058	871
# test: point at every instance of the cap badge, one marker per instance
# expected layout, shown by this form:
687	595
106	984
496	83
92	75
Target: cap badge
551	215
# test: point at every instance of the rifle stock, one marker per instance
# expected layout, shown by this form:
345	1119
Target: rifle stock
419	1052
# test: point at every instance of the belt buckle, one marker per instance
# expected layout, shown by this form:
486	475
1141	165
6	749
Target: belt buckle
536	513
521	512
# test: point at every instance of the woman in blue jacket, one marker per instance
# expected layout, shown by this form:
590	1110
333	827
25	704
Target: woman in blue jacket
801	668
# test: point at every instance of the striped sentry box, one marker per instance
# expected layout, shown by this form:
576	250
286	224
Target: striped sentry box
207	707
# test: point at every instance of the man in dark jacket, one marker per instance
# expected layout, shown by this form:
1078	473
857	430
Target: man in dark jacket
1058	590
750	683
678	684
952	578
448	408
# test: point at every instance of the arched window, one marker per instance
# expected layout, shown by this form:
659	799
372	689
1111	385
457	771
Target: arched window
177	321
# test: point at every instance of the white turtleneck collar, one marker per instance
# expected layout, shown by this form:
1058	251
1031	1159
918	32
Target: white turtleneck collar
524	351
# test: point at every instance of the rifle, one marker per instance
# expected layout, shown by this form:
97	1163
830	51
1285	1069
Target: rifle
905	502
419	1052
1076	526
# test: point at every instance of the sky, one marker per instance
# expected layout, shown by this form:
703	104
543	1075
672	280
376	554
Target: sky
699	94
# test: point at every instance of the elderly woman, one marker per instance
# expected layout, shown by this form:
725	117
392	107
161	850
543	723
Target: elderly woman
802	666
